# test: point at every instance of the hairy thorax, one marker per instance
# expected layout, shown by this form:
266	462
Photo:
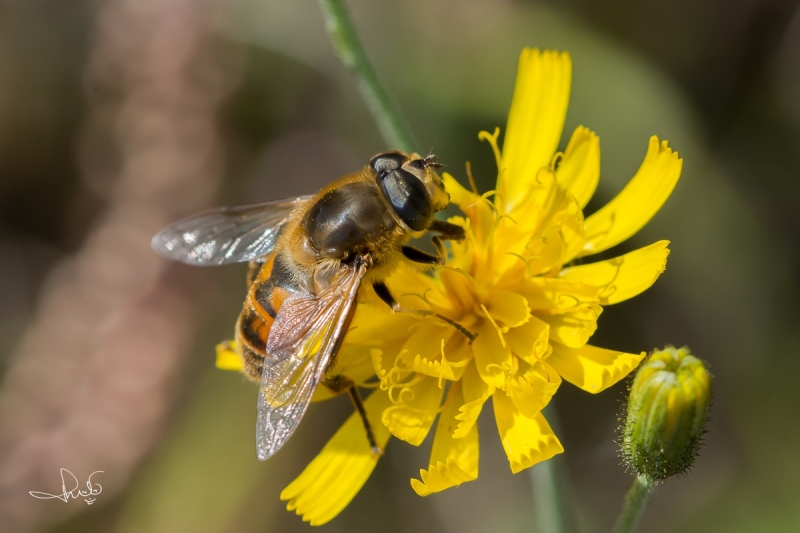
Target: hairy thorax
345	221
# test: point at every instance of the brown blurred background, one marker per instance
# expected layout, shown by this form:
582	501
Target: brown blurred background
120	116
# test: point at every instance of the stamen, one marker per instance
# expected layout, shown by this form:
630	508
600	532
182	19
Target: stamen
394	376
557	157
526	261
547	352
607	292
406	395
494	369
577	301
443	365
509	217
537	347
462	272
423	296
485	198
546	171
500	330
471	179
492	140
403	388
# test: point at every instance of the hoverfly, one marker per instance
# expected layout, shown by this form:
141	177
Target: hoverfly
310	257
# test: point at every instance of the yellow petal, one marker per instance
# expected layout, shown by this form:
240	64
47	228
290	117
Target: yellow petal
579	170
529	341
508	308
535	121
336	475
354	362
538	256
453	460
460	289
425	340
571	226
622	277
641	198
389	364
573	328
492	359
477	208
554	295
534	389
374	324
382	364
414	409
476	392
527	441
591	368
459	195
457	355
227	357
416	290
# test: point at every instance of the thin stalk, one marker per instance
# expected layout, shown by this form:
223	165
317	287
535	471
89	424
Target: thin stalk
634	504
550	503
394	129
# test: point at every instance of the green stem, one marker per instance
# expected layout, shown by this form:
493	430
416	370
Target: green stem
634	504
550	503
394	129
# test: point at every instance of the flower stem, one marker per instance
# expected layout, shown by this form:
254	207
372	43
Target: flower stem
550	503
394	129
634	504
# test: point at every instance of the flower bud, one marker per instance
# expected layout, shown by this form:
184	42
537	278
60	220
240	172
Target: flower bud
667	413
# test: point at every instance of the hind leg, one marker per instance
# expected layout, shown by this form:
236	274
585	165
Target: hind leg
339	384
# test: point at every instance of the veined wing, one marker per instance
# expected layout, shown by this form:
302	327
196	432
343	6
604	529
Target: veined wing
304	337
226	234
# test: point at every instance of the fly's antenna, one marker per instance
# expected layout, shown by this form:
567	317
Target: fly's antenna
430	152
430	159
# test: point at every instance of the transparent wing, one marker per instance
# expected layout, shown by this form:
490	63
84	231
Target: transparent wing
302	340
226	234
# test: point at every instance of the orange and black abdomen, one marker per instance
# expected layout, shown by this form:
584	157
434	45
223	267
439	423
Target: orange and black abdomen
269	287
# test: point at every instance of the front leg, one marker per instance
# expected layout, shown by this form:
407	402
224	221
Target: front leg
418	256
447	231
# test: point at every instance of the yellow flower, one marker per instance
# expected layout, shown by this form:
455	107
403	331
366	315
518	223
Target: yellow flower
513	283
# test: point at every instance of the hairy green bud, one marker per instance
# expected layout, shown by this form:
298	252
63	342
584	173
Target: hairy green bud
666	414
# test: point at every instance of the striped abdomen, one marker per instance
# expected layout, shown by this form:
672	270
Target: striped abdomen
268	288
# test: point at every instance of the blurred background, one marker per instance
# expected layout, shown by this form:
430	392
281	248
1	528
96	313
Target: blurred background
120	116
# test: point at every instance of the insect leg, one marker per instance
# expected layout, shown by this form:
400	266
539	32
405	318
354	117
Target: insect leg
359	405
418	256
383	293
447	231
338	384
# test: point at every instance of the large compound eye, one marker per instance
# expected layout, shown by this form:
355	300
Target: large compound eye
408	197
386	162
